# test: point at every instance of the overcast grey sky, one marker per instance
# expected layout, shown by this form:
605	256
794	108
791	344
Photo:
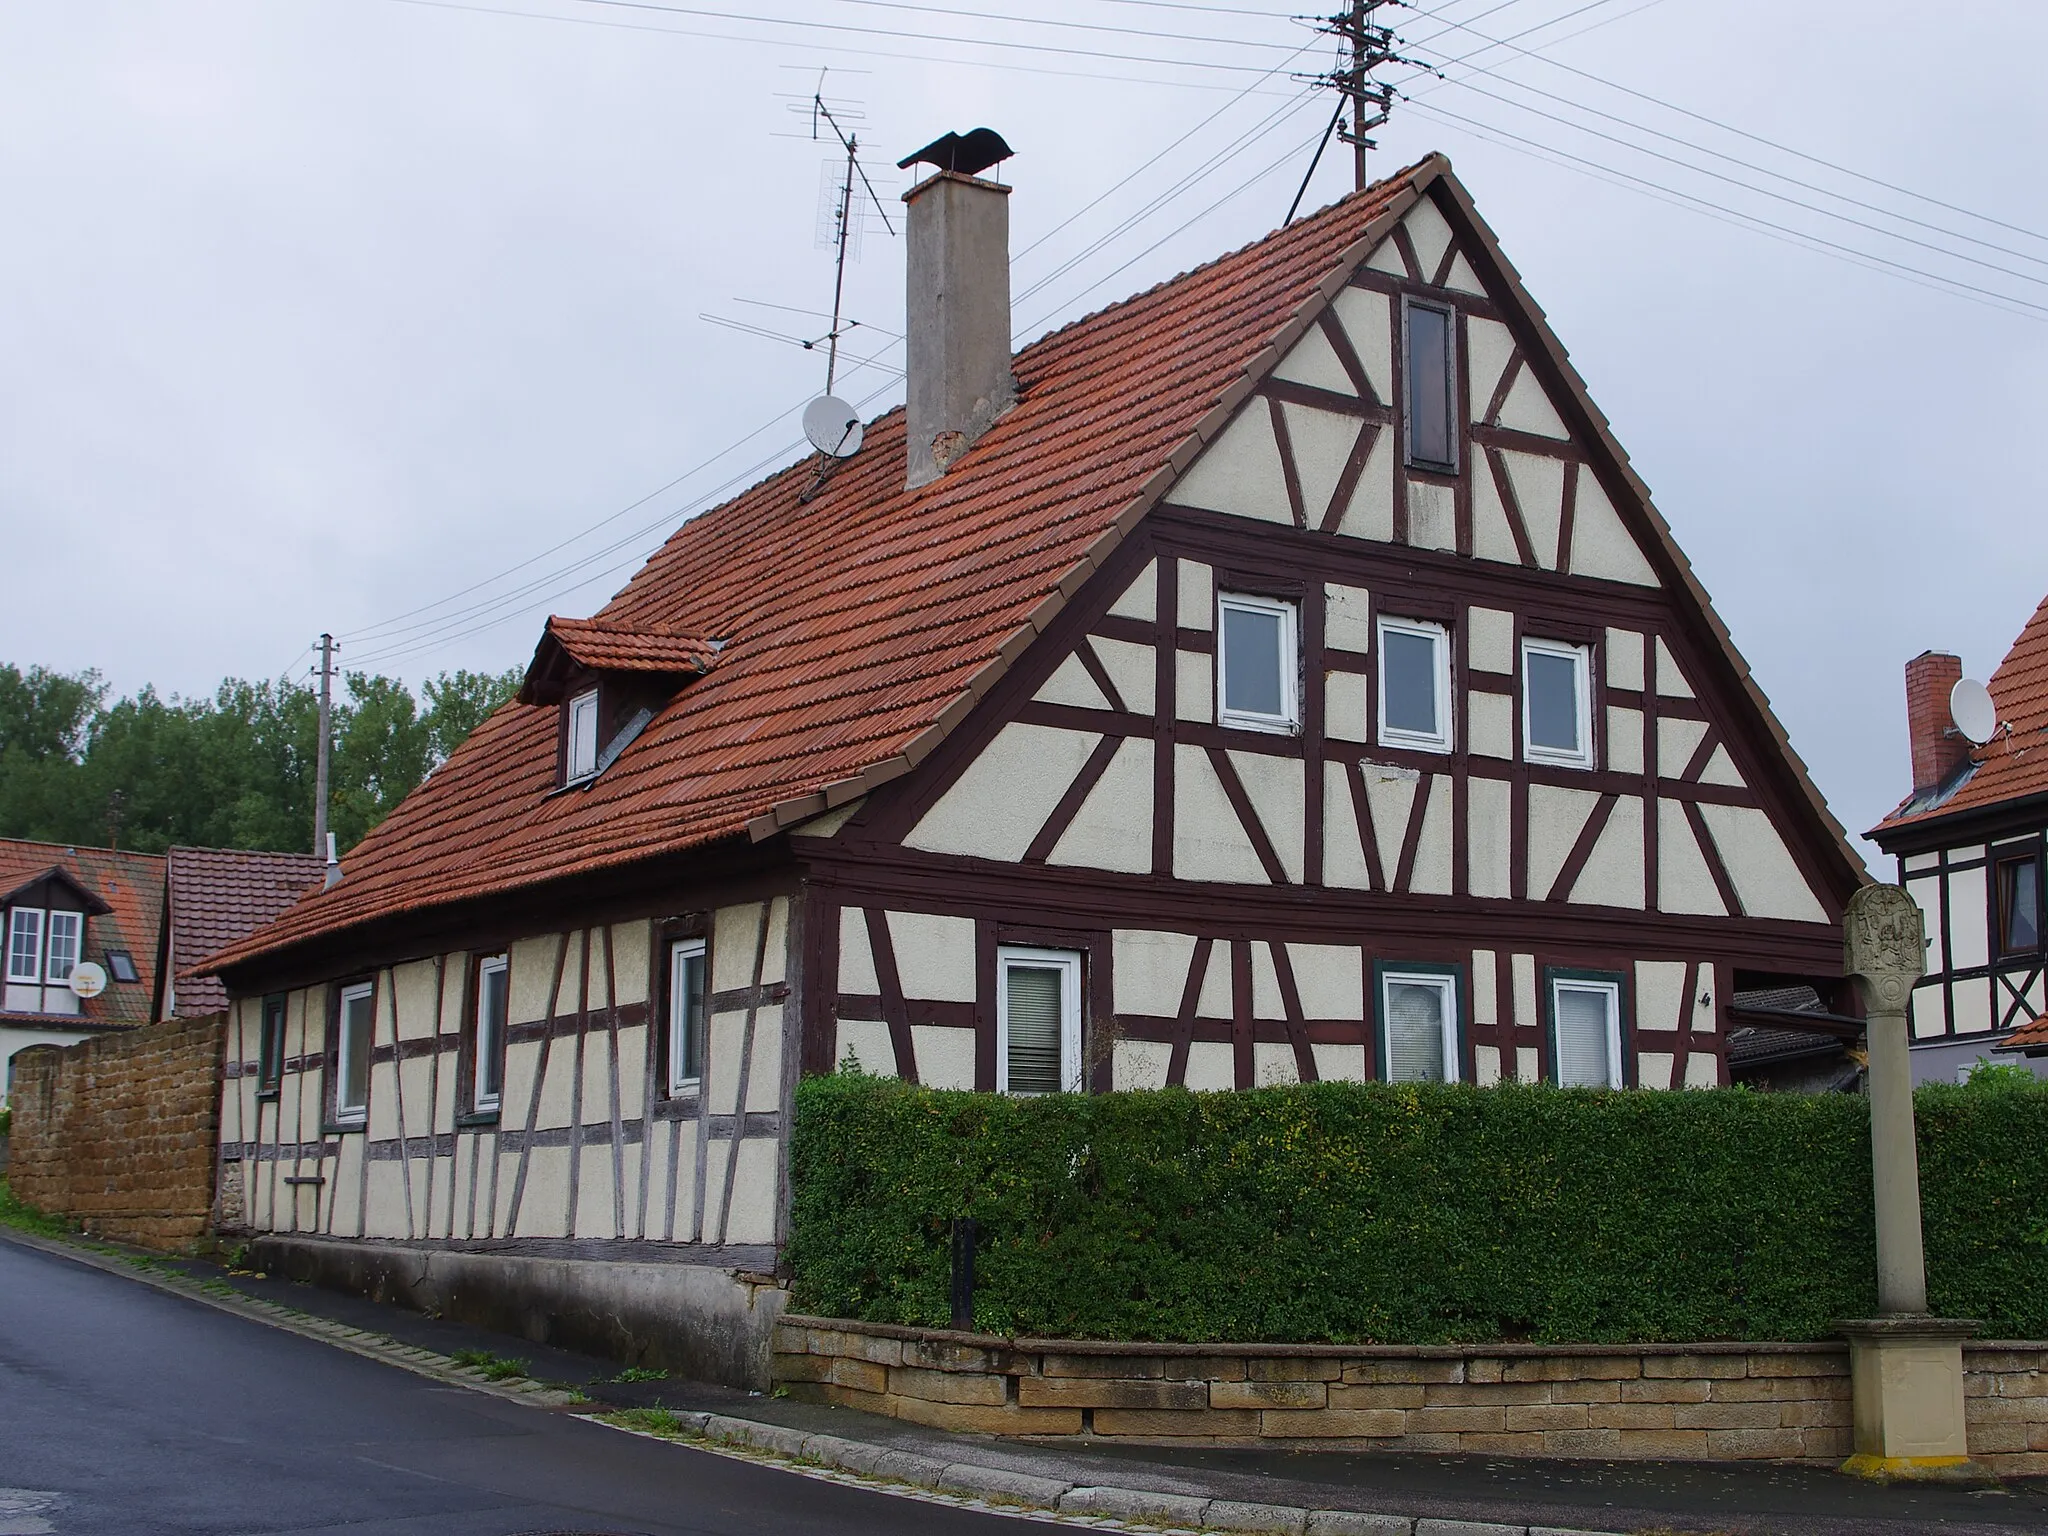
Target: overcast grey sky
316	312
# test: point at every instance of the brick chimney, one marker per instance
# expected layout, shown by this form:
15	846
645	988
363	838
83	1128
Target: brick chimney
1938	747
958	311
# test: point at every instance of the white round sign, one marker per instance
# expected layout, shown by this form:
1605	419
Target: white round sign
88	979
1970	706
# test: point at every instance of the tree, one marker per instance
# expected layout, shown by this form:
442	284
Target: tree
233	771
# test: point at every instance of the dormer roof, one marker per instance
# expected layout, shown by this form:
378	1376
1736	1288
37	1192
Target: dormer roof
570	648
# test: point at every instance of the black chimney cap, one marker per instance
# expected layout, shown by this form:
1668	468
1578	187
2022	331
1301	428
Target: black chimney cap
967	153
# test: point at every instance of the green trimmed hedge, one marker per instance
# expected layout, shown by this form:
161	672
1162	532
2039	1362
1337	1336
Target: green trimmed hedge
1398	1214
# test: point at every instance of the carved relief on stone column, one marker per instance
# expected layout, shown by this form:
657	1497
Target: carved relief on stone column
1884	944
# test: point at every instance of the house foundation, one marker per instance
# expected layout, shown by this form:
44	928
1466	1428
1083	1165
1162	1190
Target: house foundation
691	1319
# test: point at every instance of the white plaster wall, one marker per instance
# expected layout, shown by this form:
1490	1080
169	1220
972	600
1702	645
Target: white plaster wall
1556	817
1133	668
1343	853
632	1071
1529	409
1624	650
1490	639
735	939
1523	971
1601	545
1914	861
1429	234
1273	1064
630	961
1217	998
1928	894
1195	596
1670	676
1367	318
1684	883
1653	1069
1389	793
1344	707
1661	1003
1677	740
1209	842
1539	489
995	808
1527	1064
1492	539
532	974
1485	989
1322	442
1370	514
1721	769
1211	1065
1462	278
1490	724
1330	978
1432	873
1624	739
1347	618
945	1056
1139	600
1071	684
1140	1064
1488	348
1313	361
1701	1071
764	1072
1113	828
1194	693
1760	865
594	1206
1432	515
1489	837
414	998
1969	935
867	1042
1239	473
856	956
1486	1061
1149	970
722	1062
1274	787
1928	1010
1613	876
1339	1063
934	955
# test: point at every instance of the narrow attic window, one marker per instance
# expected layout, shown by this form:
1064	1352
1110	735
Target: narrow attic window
1429	345
581	759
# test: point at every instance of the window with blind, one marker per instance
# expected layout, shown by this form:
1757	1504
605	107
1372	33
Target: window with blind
1585	1031
1419	1026
1038	1020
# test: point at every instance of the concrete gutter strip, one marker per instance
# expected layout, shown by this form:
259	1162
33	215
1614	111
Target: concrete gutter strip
1103	1507
879	1466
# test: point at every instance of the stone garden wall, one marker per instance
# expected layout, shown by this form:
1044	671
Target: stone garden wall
119	1133
1689	1402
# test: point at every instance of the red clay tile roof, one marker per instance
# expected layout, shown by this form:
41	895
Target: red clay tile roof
222	895
132	886
2029	1038
612	647
865	622
2014	764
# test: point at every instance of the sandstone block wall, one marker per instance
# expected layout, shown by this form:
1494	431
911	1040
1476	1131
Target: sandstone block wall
120	1133
1703	1402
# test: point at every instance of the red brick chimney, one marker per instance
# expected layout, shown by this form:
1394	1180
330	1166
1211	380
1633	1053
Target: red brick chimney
1938	747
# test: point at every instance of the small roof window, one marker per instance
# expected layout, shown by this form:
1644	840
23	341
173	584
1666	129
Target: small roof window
122	965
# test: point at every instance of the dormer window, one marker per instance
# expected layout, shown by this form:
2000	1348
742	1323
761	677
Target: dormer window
581	760
67	943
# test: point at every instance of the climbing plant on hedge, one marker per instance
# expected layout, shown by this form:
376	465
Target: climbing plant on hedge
1403	1214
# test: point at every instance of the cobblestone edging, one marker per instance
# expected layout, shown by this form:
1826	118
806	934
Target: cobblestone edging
997	1490
358	1341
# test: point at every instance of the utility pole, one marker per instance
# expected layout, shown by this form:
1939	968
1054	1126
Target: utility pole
327	650
1364	46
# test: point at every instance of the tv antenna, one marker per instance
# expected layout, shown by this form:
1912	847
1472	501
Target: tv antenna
1365	46
843	218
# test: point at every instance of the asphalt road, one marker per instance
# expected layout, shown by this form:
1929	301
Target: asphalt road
146	1413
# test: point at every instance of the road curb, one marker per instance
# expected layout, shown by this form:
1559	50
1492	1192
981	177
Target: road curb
1151	1512
145	1269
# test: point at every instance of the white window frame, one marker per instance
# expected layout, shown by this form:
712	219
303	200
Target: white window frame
1611	990
352	1114
15	918
679	950
577	767
1288	720
486	1042
51	977
1394	736
1448	986
1069	963
1582	685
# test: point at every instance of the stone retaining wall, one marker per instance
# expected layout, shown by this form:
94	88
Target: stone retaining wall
1685	1402
119	1132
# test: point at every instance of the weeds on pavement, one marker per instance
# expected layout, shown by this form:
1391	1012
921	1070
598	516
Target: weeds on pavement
491	1366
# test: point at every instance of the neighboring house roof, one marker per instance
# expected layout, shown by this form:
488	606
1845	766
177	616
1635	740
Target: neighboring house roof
2014	764
865	620
219	896
2028	1039
132	887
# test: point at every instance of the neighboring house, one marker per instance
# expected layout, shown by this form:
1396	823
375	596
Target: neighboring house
1969	846
1293	681
135	915
59	906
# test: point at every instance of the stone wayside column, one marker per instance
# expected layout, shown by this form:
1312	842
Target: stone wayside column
1906	1367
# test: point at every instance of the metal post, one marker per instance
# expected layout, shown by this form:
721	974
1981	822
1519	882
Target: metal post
1357	94
320	758
963	1274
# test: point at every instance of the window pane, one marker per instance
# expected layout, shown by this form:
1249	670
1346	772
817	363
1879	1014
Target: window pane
493	999
1033	1013
1551	686
1415	1032
25	944
355	1051
270	1050
583	736
1252	661
1582	1060
2019	898
1429	385
686	1006
1408	681
122	964
67	937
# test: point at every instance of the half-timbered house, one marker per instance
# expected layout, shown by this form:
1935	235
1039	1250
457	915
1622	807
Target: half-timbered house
1280	675
1969	846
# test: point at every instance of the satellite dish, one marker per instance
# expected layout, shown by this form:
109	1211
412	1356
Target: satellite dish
1970	706
88	979
833	427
